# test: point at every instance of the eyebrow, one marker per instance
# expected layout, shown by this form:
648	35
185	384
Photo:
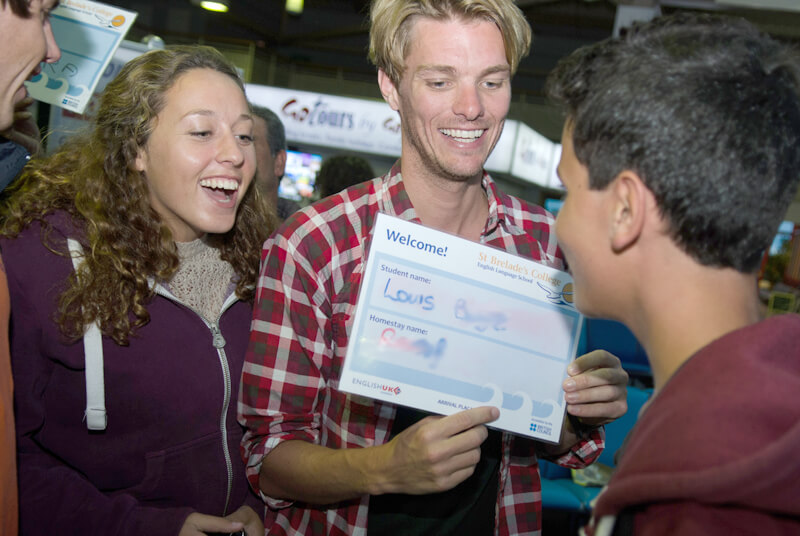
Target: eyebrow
442	69
210	113
501	69
449	70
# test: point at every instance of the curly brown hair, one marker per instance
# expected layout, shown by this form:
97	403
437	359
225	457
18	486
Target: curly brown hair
92	177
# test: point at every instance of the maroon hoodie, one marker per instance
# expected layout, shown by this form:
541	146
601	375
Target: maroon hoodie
171	445
715	453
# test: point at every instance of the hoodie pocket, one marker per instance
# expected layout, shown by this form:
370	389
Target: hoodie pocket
193	474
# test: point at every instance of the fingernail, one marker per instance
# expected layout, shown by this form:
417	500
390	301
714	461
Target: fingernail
571	397
569	384
572	369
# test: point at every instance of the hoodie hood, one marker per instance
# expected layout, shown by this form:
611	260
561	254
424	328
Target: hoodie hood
724	431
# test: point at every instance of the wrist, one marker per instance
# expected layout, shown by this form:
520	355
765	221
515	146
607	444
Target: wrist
582	428
373	469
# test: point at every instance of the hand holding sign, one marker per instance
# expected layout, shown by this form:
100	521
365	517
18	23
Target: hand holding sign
436	453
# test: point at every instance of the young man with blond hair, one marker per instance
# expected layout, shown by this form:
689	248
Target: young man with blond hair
328	462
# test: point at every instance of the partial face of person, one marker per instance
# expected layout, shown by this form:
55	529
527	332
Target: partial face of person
453	96
24	44
199	159
582	230
268	167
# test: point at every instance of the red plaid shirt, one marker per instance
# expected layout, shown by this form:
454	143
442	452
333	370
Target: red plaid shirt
310	275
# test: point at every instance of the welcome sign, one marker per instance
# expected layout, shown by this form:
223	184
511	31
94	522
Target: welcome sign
444	324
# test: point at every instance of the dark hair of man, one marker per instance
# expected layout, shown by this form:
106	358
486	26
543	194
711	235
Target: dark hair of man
20	8
706	110
276	134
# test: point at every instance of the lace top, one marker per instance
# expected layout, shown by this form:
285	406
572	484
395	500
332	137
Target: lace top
203	280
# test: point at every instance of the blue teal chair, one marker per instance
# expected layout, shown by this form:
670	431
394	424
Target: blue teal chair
615	337
559	491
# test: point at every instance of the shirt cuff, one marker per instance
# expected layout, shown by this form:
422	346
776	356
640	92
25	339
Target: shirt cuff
585	451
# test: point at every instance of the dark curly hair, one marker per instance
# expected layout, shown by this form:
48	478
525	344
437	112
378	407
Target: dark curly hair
706	110
92	178
341	171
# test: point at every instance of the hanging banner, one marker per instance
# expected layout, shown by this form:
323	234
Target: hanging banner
353	124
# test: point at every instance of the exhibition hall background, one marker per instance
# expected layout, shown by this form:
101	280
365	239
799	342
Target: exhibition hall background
318	58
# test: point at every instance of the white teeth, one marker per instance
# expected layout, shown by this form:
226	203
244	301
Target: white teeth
222	184
462	135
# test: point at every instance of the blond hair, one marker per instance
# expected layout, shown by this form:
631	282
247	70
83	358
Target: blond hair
391	22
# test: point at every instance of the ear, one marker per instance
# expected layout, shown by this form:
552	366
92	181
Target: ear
279	164
630	206
388	90
140	162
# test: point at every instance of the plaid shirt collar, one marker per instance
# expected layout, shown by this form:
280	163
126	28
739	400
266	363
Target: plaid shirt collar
394	201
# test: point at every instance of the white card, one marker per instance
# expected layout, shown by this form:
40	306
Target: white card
88	33
445	324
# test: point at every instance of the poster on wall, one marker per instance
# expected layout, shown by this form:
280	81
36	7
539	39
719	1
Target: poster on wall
88	34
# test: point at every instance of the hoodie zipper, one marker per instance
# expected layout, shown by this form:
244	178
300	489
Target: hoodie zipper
219	343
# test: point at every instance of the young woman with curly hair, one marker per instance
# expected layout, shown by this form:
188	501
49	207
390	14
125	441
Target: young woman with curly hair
138	242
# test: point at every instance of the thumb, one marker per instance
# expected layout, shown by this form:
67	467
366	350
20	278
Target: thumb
205	523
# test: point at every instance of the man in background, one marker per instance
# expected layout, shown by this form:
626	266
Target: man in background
341	171
26	39
681	154
269	139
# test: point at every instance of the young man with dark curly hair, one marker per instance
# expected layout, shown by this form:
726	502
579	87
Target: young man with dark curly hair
680	158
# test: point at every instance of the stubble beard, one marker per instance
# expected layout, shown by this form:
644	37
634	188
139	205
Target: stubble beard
433	164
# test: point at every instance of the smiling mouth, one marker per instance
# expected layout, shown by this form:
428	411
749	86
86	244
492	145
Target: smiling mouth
463	136
220	189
